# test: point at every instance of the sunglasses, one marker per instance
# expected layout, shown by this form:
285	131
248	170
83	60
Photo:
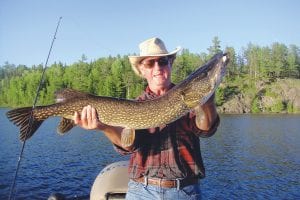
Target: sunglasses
162	61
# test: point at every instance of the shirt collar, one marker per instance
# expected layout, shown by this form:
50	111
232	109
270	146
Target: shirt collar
150	93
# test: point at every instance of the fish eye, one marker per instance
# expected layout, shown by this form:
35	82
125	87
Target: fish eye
203	74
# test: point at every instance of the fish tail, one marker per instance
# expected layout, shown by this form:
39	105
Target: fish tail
24	119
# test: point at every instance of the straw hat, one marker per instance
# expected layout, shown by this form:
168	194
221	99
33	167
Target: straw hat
151	47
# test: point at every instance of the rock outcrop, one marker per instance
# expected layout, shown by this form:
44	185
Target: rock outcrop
281	96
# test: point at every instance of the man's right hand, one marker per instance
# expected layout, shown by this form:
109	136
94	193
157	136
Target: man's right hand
88	119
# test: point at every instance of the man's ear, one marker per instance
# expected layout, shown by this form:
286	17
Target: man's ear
139	67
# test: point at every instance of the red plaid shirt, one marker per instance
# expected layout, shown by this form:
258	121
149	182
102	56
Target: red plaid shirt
170	153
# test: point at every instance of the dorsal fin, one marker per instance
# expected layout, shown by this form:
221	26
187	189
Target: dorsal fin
67	93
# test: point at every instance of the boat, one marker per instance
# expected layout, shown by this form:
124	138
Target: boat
111	182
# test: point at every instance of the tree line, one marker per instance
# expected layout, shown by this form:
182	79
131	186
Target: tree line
113	76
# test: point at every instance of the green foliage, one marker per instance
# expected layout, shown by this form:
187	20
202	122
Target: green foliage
216	46
185	64
220	97
255	106
113	76
277	107
223	94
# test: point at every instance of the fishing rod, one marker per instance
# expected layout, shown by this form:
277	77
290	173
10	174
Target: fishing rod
13	186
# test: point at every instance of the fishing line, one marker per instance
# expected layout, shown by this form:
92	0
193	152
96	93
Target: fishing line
13	186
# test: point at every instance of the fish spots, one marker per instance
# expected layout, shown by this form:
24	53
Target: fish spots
197	88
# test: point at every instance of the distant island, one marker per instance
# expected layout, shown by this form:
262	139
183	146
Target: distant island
259	79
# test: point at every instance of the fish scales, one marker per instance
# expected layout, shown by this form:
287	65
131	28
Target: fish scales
195	89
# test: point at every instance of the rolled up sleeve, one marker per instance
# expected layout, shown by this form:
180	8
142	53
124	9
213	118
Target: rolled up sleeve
204	133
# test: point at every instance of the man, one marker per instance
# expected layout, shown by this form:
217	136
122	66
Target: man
165	161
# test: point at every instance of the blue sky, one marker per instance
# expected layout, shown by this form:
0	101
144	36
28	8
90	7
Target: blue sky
99	28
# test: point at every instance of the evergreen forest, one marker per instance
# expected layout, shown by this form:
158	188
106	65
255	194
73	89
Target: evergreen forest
113	76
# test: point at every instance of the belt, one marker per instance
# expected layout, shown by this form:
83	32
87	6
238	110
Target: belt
177	183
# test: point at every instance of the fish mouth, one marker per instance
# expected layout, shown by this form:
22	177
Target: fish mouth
220	72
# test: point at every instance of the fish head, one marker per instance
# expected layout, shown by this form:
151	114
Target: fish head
214	73
202	83
218	71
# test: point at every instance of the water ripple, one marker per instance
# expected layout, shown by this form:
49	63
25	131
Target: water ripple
250	157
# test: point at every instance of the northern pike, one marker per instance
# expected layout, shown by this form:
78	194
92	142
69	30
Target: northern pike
132	114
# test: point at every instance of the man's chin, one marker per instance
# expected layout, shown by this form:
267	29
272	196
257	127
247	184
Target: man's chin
160	81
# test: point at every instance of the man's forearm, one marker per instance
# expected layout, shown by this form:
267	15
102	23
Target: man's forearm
206	115
119	136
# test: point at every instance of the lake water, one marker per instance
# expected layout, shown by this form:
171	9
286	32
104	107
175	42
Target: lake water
250	157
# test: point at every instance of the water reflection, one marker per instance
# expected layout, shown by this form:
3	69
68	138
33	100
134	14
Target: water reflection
250	157
253	156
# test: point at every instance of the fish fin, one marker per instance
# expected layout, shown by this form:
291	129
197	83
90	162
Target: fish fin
22	118
65	125
67	93
189	98
127	137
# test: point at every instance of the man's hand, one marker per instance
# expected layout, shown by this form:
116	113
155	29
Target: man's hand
88	119
205	114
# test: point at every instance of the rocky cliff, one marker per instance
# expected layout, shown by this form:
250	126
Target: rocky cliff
280	96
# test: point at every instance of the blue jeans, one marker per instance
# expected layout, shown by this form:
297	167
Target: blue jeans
140	191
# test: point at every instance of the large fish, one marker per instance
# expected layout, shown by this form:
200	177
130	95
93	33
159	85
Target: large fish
131	114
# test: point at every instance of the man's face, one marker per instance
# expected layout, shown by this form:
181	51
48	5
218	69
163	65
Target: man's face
157	70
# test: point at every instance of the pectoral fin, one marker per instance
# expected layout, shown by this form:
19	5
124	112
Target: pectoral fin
65	125
189	98
127	137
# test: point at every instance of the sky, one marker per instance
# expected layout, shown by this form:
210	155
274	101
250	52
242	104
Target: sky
102	28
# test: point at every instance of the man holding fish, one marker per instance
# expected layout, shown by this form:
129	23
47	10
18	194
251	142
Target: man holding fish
166	161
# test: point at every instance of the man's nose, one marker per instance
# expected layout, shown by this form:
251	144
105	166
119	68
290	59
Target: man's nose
157	66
